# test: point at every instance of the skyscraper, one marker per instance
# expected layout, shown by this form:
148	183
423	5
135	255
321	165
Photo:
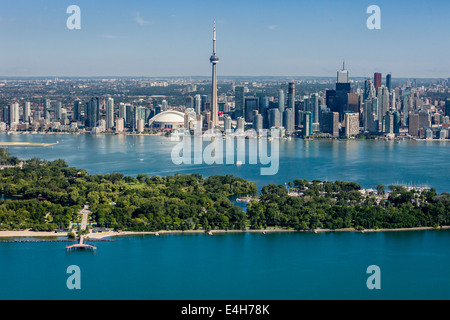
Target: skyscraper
251	104
413	127
289	120
342	75
47	107
14	114
92	110
389	82
58	110
26	112
351	124
77	110
109	113
405	105
274	117
340	101
307	124
447	107
281	100
314	107
239	97
198	104
291	97
214	60
377	80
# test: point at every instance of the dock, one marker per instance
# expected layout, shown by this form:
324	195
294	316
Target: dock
81	245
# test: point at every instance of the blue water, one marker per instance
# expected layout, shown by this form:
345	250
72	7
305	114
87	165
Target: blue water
287	266
368	163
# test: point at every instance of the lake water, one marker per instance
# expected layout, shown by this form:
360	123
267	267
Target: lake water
281	266
288	266
368	163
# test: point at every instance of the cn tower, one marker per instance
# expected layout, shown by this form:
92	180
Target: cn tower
214	59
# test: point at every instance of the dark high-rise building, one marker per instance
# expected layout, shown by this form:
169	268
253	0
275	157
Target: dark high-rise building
239	96
77	108
330	123
291	96
129	115
250	104
389	82
447	107
406	105
330	100
205	103
377	80
92	112
5	114
341	100
396	122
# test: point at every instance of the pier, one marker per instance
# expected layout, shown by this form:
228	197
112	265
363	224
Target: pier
81	245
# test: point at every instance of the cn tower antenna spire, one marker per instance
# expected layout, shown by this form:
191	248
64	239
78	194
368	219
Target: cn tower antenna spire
214	105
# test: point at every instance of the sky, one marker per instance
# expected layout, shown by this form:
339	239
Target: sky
254	38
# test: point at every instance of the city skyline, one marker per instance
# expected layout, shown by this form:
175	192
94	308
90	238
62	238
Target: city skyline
286	38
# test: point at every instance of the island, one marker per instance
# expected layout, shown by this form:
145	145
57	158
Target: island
50	198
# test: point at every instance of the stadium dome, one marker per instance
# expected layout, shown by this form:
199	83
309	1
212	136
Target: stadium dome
169	119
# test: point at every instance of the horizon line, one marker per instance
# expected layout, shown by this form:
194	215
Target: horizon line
5	77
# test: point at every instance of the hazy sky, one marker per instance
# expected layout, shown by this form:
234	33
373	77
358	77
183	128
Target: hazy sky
254	37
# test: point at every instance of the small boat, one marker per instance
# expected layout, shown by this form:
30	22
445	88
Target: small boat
239	163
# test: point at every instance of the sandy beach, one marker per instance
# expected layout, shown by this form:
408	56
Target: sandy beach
28	233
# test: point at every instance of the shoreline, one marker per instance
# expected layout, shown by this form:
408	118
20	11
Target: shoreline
162	134
95	236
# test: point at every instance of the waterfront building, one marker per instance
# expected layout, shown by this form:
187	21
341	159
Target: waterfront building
351	124
109	113
289	120
307	124
119	125
13	114
274	117
27	112
92	109
77	109
413	128
198	104
330	123
168	120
